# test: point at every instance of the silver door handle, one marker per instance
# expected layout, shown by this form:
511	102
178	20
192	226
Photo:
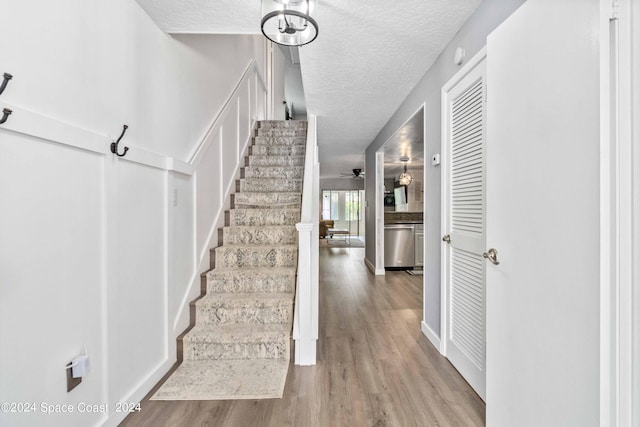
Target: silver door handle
492	255
446	238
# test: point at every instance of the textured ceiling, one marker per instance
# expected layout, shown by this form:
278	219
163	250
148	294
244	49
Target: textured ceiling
366	59
205	16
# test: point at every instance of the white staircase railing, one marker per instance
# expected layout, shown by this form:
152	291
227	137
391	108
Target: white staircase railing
305	320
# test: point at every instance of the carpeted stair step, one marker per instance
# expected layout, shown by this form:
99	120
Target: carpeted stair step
277	150
291	133
281	216
285	172
236	308
258	200
259	160
259	235
251	280
237	341
282	124
291	140
256	256
263	185
225	379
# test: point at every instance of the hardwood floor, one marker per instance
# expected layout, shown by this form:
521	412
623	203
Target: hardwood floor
375	367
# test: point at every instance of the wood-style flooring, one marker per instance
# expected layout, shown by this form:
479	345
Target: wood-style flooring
375	367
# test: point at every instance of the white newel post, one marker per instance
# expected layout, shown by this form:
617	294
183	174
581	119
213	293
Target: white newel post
305	346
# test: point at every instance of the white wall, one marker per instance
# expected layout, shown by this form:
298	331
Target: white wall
103	251
278	68
472	36
293	89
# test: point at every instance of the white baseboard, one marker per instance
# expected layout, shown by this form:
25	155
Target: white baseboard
369	265
374	270
431	335
139	391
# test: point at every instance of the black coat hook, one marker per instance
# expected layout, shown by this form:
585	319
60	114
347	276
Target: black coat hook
114	145
5	115
5	82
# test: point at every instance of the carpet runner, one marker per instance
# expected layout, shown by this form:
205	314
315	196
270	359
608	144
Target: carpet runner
239	347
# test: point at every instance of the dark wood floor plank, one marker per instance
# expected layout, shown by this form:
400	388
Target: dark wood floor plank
375	367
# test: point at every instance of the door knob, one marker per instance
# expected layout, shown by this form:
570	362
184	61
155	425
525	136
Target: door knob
446	238
492	255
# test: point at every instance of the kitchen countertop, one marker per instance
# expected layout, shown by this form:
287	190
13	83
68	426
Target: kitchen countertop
403	217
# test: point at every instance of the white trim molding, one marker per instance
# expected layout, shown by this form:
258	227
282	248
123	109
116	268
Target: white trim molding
620	208
379	215
431	335
374	270
635	195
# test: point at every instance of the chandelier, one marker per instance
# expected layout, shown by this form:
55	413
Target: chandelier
289	22
405	177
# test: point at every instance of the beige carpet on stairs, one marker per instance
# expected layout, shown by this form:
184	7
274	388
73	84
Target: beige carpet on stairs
226	379
240	345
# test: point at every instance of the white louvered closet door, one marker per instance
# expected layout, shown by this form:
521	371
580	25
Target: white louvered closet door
464	130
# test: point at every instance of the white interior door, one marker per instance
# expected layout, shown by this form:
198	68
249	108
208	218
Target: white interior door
543	211
464	138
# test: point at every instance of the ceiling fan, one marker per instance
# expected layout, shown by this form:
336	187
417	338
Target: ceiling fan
355	174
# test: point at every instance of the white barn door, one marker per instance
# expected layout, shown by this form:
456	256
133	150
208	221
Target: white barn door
543	215
464	139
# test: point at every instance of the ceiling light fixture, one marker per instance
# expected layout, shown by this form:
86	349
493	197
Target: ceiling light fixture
405	177
289	22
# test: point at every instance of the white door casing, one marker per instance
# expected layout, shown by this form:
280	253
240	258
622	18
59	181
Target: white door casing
619	231
543	215
463	216
634	227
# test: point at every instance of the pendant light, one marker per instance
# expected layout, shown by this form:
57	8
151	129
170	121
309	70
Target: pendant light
289	22
405	177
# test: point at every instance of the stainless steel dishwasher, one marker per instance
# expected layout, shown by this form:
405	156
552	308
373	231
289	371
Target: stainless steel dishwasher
399	245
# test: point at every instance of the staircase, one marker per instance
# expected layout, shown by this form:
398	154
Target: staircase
239	347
